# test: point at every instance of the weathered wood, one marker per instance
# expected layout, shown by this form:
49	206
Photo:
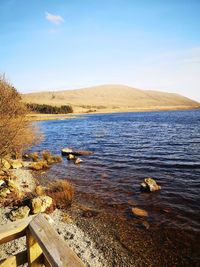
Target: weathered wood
13	230
55	249
15	260
34	251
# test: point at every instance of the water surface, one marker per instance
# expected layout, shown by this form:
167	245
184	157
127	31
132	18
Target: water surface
129	147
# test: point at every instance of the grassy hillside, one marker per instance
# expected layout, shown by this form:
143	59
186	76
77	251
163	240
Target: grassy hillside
112	98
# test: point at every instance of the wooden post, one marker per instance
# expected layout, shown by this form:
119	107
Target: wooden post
34	251
55	249
15	260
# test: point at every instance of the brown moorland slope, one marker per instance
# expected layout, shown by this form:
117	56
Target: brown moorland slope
107	98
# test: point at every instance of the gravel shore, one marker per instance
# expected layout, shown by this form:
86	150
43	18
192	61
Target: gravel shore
66	227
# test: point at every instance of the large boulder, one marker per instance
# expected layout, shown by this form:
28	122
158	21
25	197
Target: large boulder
150	185
41	204
19	213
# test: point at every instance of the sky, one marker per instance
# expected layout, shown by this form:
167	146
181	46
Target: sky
68	44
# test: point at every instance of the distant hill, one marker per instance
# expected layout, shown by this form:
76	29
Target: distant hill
108	98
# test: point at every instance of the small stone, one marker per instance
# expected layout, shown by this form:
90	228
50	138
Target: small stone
77	161
5	164
139	212
2	183
19	213
4	192
12	186
40	190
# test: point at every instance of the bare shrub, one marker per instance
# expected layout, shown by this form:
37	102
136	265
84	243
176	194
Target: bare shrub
62	193
16	132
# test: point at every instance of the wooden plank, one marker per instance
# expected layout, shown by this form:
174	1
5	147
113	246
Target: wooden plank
15	260
13	230
34	251
55	249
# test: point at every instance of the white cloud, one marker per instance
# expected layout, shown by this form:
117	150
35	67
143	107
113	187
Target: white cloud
55	19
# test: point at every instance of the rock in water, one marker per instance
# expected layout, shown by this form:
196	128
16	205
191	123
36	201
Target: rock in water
150	185
77	161
41	203
19	213
71	156
146	224
66	151
139	212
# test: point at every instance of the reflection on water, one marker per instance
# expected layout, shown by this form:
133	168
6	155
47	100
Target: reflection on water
129	147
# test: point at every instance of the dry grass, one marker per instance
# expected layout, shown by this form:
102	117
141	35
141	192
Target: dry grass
112	98
62	193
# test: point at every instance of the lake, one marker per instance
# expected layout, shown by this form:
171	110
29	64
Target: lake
129	147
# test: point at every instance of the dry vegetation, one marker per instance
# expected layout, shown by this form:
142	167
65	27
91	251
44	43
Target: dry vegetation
112	98
62	193
16	133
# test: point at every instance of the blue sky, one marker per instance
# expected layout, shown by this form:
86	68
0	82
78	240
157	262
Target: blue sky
66	44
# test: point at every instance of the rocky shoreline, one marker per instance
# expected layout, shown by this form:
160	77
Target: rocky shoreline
101	237
63	223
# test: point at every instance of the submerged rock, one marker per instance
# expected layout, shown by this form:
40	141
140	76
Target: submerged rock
41	204
150	185
146	224
139	212
89	213
19	213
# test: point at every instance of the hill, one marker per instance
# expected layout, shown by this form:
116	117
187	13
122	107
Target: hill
109	98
